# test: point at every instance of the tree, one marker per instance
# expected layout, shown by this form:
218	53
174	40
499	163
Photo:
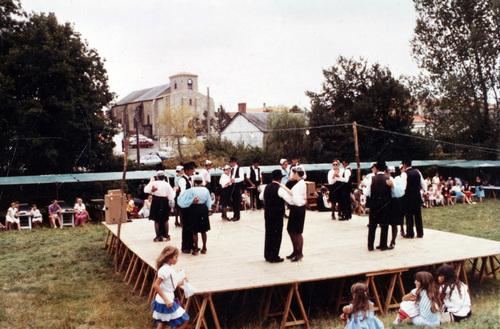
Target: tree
457	42
371	96
178	124
53	88
287	135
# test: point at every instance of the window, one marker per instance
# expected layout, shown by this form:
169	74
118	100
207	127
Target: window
190	84
190	101
175	85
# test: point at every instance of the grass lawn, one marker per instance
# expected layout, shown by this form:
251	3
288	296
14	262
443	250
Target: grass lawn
62	279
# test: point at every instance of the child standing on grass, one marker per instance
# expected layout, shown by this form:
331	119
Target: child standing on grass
422	305
360	313
166	310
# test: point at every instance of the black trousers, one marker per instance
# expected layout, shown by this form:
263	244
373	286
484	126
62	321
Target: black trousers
254	198
378	217
414	218
236	201
187	231
274	234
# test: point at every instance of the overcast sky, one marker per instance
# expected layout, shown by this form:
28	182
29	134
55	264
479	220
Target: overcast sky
246	51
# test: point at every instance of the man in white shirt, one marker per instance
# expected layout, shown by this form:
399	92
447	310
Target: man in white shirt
205	174
274	197
334	185
163	200
295	163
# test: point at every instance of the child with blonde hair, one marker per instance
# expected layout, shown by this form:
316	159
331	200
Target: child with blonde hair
166	310
360	313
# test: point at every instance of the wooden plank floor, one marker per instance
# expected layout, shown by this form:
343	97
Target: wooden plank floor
332	249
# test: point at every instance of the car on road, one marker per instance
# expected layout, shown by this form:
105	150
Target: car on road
144	142
150	159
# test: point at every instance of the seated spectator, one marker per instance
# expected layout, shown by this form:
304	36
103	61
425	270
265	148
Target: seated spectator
37	216
454	294
479	191
11	217
439	197
466	190
132	211
144	212
448	197
81	214
55	211
322	200
456	191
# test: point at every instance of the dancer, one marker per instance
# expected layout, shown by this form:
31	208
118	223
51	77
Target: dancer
163	198
185	184
334	186
198	200
236	188
379	192
345	191
295	226
396	208
414	182
166	310
226	190
274	196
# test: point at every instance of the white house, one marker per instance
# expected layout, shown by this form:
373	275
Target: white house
247	128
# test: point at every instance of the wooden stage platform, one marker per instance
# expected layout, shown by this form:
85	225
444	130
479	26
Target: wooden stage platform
332	250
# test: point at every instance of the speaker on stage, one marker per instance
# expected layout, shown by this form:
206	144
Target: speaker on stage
115	206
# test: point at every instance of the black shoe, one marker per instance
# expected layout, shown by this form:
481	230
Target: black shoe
386	248
297	258
158	239
291	255
235	219
393	244
186	251
378	247
276	260
420	236
370	248
406	236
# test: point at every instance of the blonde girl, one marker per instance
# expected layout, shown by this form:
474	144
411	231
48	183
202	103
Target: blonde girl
166	310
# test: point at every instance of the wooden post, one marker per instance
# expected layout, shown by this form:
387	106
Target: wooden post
356	151
122	185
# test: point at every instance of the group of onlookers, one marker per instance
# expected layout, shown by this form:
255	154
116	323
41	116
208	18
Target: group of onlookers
431	303
55	213
442	192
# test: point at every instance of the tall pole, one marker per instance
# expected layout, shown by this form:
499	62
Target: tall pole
136	121
208	112
356	151
122	188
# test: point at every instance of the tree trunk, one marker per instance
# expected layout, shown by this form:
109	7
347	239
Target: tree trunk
179	148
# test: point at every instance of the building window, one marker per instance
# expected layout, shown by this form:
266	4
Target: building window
149	122
175	85
190	101
190	84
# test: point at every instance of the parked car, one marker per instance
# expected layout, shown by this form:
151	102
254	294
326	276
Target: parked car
150	159
143	141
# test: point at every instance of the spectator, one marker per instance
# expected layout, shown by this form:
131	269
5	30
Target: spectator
479	191
454	294
37	216
360	313
144	212
11	217
81	214
55	211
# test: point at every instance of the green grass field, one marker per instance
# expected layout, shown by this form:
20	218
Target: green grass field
62	279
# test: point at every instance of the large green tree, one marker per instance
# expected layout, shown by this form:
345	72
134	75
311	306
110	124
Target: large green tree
53	88
371	96
457	43
287	134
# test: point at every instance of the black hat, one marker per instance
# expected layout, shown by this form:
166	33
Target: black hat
277	174
381	165
233	159
189	165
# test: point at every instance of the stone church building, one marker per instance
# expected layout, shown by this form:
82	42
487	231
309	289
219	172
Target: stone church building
181	91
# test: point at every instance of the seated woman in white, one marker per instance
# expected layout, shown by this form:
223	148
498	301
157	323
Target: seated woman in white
144	212
11	217
36	216
454	294
81	214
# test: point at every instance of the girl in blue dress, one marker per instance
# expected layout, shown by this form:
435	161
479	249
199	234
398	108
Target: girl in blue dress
360	313
166	310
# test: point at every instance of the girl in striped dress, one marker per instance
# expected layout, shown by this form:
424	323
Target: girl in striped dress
166	310
422	305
